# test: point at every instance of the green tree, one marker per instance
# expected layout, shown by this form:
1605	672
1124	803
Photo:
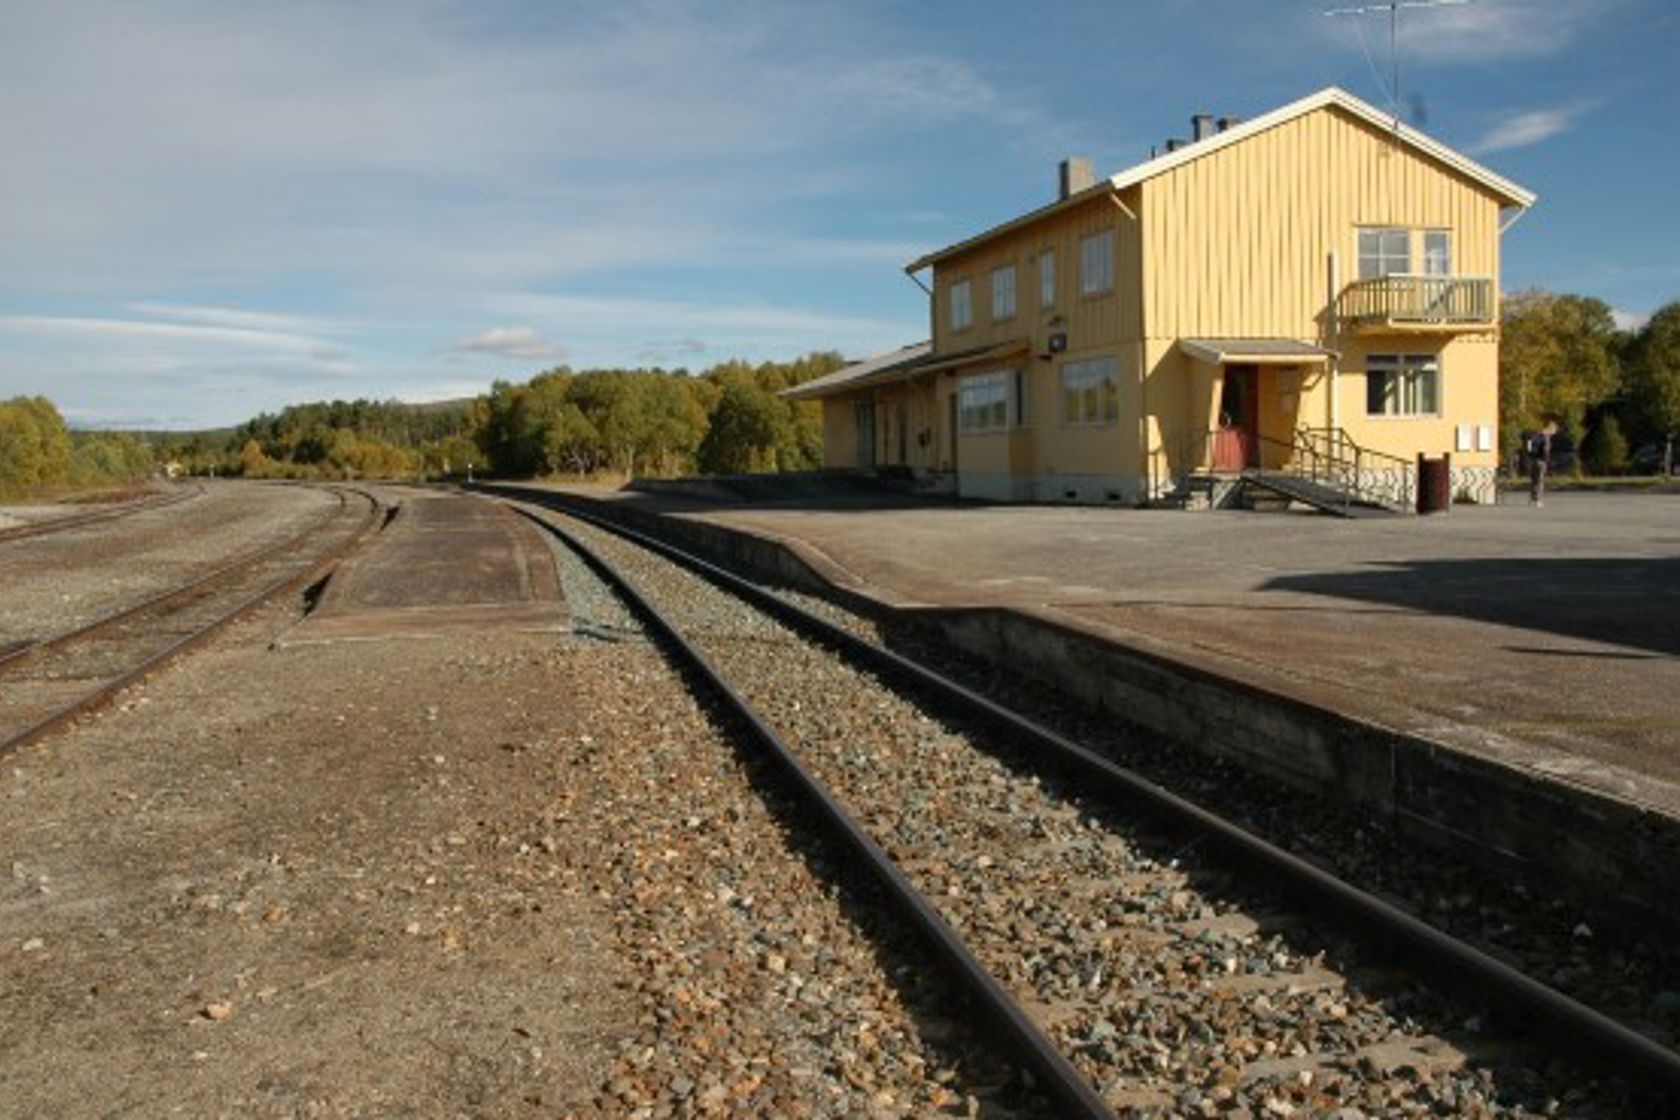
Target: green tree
744	431
1556	360
35	446
1606	449
1654	378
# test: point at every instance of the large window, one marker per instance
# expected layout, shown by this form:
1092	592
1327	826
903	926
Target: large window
983	403
1090	394
1383	252
1003	292
1096	263
1047	278
1402	385
962	305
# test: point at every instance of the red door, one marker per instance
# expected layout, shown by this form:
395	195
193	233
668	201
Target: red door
1236	445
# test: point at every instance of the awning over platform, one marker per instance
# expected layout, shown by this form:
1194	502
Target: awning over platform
899	365
1257	351
882	368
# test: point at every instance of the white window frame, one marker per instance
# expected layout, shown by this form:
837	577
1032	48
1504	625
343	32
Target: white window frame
1096	263
1437	252
986	402
962	305
1091	392
1003	292
1047	278
1378	255
1409	381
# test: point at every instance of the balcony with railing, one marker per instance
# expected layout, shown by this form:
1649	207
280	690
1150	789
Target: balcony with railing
1407	302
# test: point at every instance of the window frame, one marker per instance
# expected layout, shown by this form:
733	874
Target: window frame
1429	258
1082	383
1407	380
1004	283
965	289
987	402
1046	279
1096	269
1383	253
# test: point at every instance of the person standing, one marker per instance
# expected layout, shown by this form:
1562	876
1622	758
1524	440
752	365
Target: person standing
1539	459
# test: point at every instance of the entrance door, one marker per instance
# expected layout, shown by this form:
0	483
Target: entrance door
1236	446
865	417
903	417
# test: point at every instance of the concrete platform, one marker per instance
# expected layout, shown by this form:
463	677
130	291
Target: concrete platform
445	564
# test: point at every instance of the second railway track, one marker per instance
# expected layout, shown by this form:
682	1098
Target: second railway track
1137	968
48	682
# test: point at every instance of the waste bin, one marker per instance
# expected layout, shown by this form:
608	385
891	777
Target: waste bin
1434	476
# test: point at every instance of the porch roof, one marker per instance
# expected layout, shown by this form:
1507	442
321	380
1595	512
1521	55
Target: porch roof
898	365
1259	351
871	371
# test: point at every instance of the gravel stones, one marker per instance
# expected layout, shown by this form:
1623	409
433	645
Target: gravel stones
1134	958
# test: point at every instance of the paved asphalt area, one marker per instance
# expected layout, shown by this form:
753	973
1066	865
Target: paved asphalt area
1546	637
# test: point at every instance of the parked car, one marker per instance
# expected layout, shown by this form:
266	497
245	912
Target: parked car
1647	458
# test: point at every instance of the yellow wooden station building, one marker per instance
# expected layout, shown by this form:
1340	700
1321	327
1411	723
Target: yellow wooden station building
1309	298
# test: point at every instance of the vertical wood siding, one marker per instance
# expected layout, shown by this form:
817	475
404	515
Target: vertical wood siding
1238	243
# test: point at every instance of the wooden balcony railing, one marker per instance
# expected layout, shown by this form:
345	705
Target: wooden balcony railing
1400	300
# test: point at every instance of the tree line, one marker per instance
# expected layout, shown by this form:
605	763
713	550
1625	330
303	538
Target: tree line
724	420
39	452
1616	393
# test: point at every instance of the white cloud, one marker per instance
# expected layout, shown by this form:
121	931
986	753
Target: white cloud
1629	320
239	317
694	319
522	343
160	331
1523	129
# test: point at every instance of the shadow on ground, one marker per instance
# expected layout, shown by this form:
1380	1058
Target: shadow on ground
1628	602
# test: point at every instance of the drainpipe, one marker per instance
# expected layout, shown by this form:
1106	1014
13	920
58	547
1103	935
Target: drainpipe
1333	327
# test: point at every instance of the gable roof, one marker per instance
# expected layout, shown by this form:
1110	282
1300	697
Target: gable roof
1510	193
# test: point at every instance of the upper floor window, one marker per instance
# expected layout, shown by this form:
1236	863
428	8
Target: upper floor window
1047	278
1096	263
1402	385
1383	252
1003	292
1437	252
1090	394
962	305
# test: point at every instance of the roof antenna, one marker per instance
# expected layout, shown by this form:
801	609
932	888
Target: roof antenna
1393	9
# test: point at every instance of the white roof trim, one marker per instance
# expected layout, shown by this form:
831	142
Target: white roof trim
1332	95
1512	193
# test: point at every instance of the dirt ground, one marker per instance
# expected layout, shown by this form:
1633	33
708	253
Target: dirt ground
306	881
387	862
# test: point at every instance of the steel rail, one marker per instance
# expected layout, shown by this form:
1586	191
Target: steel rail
239	564
1569	1026
74	521
1072	1091
107	689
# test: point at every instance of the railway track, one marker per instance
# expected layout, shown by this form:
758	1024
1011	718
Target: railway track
1111	931
47	683
79	520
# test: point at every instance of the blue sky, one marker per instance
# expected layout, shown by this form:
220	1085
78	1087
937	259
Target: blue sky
210	210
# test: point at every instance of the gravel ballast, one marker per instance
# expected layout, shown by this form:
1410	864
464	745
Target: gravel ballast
66	579
1160	979
489	874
